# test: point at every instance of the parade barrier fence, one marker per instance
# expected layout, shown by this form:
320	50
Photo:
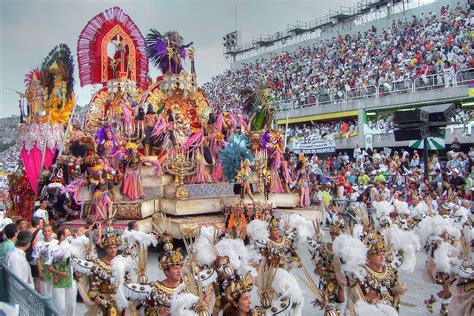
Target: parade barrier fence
15	291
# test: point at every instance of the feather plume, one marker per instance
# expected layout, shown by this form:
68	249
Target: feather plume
303	227
78	246
353	252
401	207
61	55
285	285
90	40
237	253
204	248
134	236
444	256
258	230
236	151
405	241
135	291
435	226
182	303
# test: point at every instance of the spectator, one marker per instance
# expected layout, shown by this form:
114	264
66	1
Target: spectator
36	233
22	224
42	212
363	179
10	232
455	145
456	180
16	258
379	177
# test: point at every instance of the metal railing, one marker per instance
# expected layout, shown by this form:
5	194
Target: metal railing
463	77
15	291
429	82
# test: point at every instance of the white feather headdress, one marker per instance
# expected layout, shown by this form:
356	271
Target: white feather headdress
258	230
405	241
353	253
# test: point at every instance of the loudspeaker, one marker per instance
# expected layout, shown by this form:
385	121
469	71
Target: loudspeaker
441	113
410	117
411	133
436	131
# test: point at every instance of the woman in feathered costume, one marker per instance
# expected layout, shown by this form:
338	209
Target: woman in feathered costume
197	144
258	106
166	51
217	144
101	184
302	181
132	181
58	76
35	94
272	142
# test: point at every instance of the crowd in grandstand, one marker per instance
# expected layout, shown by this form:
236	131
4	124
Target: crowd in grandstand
395	170
320	129
390	58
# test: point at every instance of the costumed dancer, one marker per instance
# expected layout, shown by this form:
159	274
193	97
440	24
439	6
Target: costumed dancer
103	288
35	94
243	178
132	181
439	239
108	146
234	156
328	267
237	297
156	295
462	269
167	51
286	170
195	143
217	144
302	181
373	285
58	77
274	148
151	120
101	182
164	136
277	250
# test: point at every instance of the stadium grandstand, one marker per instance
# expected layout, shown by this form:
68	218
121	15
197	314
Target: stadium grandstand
337	80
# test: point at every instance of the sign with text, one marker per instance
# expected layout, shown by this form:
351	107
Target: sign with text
315	146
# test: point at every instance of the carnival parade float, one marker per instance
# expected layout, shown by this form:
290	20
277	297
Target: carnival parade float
149	150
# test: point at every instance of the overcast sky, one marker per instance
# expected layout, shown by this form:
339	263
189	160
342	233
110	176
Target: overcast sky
30	29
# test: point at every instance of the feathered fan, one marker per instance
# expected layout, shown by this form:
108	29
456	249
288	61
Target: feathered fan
233	154
61	55
166	50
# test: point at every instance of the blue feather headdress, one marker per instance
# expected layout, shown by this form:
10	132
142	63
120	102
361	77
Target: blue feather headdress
236	151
